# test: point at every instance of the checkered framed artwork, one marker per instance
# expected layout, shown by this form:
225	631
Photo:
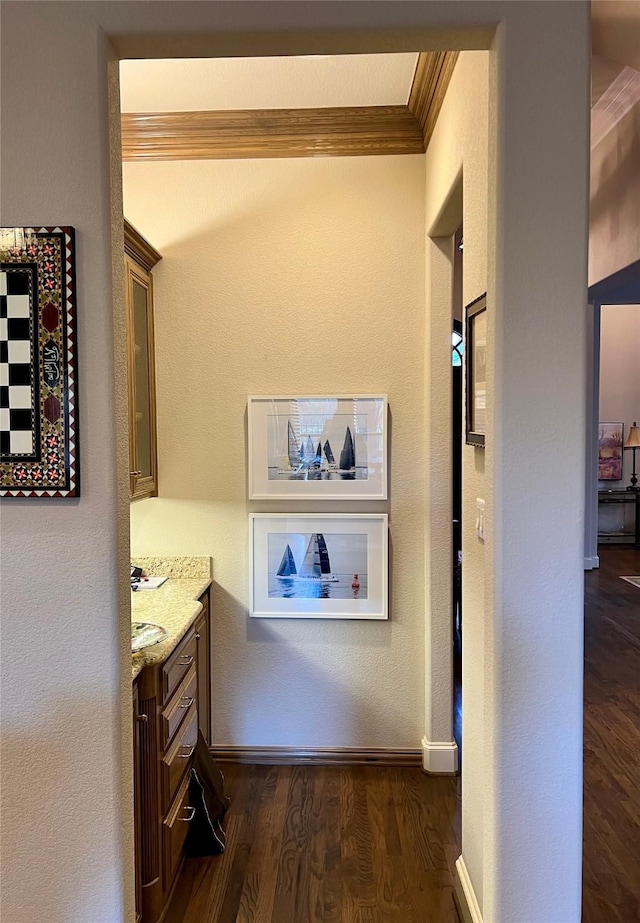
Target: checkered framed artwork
38	416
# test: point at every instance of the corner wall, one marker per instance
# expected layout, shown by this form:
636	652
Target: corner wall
458	148
288	276
55	166
67	753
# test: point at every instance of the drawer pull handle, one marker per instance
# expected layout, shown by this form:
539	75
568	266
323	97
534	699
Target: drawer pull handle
197	635
189	751
186	660
142	717
188	700
191	815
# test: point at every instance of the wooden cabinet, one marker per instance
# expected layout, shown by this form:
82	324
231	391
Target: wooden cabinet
137	835
140	258
171	694
203	655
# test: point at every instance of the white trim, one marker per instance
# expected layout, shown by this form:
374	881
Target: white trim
592	563
467	900
439	757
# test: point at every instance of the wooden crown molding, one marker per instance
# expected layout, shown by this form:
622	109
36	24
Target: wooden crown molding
329	132
245	133
430	84
138	248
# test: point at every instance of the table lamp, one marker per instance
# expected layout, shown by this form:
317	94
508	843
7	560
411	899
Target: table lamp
633	442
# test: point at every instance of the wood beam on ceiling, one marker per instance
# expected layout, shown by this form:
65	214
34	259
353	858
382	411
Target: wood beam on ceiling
323	132
430	83
246	133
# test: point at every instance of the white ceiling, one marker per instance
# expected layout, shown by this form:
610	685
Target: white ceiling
182	85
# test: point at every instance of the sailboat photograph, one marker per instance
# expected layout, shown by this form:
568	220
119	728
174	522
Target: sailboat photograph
330	447
318	565
310	456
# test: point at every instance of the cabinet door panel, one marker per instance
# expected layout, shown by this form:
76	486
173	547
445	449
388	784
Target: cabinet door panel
142	372
142	401
204	671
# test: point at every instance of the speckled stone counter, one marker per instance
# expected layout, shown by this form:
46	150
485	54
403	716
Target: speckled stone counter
174	605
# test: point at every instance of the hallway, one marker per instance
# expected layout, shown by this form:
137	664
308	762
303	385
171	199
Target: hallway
325	844
611	871
361	844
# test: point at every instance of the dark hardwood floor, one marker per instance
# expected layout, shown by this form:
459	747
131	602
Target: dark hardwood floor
377	845
323	844
611	868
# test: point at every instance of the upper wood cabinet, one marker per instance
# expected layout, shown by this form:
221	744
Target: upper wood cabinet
140	258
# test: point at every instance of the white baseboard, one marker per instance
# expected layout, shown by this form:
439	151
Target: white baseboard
592	563
465	895
439	757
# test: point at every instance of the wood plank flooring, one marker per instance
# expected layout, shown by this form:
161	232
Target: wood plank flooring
611	866
365	844
323	844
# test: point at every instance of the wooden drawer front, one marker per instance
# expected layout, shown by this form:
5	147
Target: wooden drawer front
177	666
174	833
181	707
178	758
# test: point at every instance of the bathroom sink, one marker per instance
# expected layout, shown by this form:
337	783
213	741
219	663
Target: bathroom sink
144	634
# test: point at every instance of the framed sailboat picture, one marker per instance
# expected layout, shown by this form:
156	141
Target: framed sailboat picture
312	566
318	447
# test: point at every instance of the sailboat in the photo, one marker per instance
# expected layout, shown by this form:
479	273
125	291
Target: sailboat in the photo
330	462
348	454
292	447
287	565
316	566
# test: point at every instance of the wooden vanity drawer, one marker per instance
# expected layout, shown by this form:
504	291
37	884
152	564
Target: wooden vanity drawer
178	664
181	707
174	833
178	758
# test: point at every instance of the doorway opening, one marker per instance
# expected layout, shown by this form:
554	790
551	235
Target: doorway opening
261	236
612	516
457	359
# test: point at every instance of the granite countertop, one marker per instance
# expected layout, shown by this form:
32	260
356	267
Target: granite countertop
174	605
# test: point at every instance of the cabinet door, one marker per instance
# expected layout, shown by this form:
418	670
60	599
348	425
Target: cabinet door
204	671
137	837
142	397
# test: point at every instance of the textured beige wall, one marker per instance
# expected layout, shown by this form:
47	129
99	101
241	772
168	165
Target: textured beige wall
459	146
62	787
66	763
288	276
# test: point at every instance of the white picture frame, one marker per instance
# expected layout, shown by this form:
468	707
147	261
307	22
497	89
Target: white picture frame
315	566
298	443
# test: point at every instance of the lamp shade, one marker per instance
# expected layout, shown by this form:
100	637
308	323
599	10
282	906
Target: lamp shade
633	437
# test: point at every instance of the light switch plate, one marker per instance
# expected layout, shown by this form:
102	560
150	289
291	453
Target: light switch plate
480	518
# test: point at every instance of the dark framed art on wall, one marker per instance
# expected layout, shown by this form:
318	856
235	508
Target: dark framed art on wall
476	371
38	414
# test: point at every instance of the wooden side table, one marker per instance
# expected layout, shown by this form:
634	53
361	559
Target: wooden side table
622	496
